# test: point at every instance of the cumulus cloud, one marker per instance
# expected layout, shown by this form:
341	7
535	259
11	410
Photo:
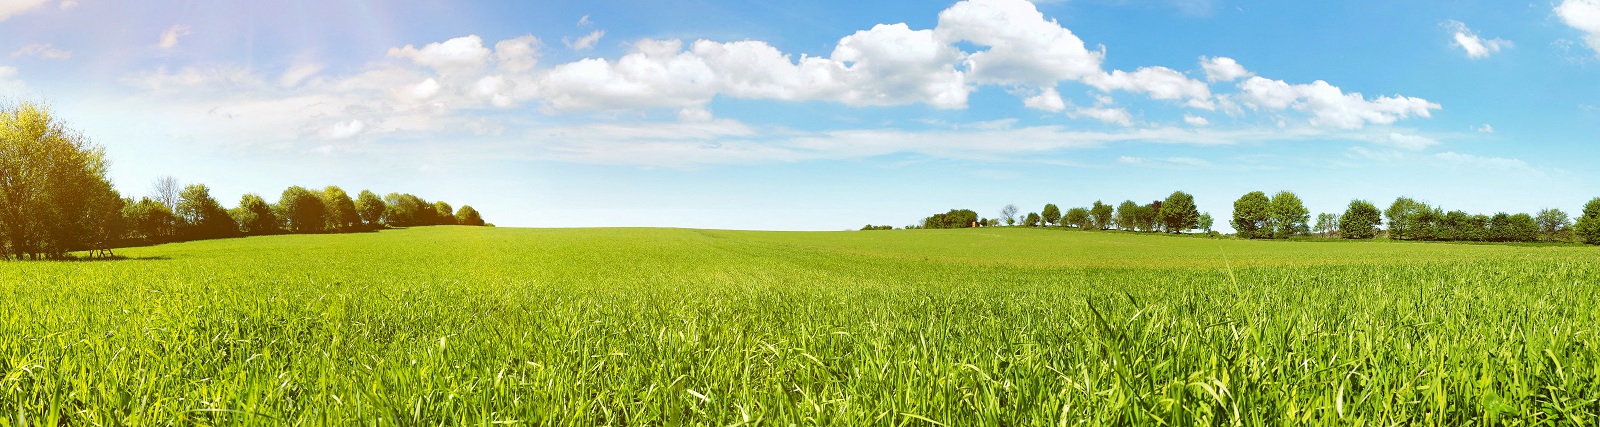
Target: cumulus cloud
1157	82
517	55
1194	120
1485	128
345	130
426	89
1583	15
1116	116
1047	100
169	38
1328	105
586	42
1475	46
10	8
42	50
1223	69
1023	47
457	55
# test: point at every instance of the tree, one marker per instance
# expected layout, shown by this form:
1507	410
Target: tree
1078	217
955	218
1403	216
1032	220
1101	215
1206	222
1360	220
54	195
165	189
406	210
1051	214
1127	215
444	215
1588	228
1151	217
254	216
469	216
1327	224
1554	224
370	208
1178	213
301	211
149	220
341	211
1288	215
1251	215
201	217
1010	214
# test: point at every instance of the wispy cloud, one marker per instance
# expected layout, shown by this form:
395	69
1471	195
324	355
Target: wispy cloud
169	38
42	50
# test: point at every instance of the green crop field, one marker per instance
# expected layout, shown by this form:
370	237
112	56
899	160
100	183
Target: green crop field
1013	327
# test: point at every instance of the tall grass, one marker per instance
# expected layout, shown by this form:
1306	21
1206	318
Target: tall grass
453	326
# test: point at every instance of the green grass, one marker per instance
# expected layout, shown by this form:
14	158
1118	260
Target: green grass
1015	327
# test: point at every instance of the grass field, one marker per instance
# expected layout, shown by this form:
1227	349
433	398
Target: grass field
1013	327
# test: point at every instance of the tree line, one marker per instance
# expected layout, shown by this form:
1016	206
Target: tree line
55	198
1176	214
1409	219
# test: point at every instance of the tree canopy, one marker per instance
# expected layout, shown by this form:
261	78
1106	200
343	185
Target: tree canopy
1252	215
1360	220
1178	213
201	217
54	195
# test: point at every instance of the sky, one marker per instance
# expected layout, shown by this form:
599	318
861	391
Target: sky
827	115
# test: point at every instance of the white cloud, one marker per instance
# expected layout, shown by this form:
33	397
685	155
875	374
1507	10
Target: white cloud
1194	120
586	42
457	55
1023	47
584	21
1223	69
1329	106
1404	141
893	64
1109	115
1485	128
196	80
1047	100
426	89
169	38
345	130
42	50
1475	46
1158	82
299	73
68	4
1469	160
1583	15
1380	155
1164	162
517	55
10	8
695	115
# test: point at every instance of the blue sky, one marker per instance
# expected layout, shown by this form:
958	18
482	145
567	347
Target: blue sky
827	115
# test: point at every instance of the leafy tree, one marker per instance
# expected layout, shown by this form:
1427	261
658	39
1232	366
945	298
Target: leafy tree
1032	220
1588	228
1360	220
1404	215
1151	217
1288	215
254	216
341	211
1128	215
444	215
1206	222
54	195
301	211
1327	224
1521	228
1078	217
1010	214
956	218
1101	215
1252	214
1178	213
1554	224
469	216
150	220
370	208
1051	213
406	210
201	217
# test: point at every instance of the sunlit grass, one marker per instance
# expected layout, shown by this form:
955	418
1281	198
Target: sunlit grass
457	325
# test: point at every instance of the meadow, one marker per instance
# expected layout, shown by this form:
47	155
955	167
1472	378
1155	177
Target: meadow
975	327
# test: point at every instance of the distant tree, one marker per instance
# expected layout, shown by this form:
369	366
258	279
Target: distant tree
1588	228
443	214
1127	215
955	218
201	217
1327	224
150	220
1101	215
1078	217
301	211
1032	220
469	216
341	210
1360	220
1010	214
1554	225
1252	215
1404	216
370	208
166	189
1051	214
1288	215
406	210
1522	228
254	216
1178	213
1206	222
1152	216
54	195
